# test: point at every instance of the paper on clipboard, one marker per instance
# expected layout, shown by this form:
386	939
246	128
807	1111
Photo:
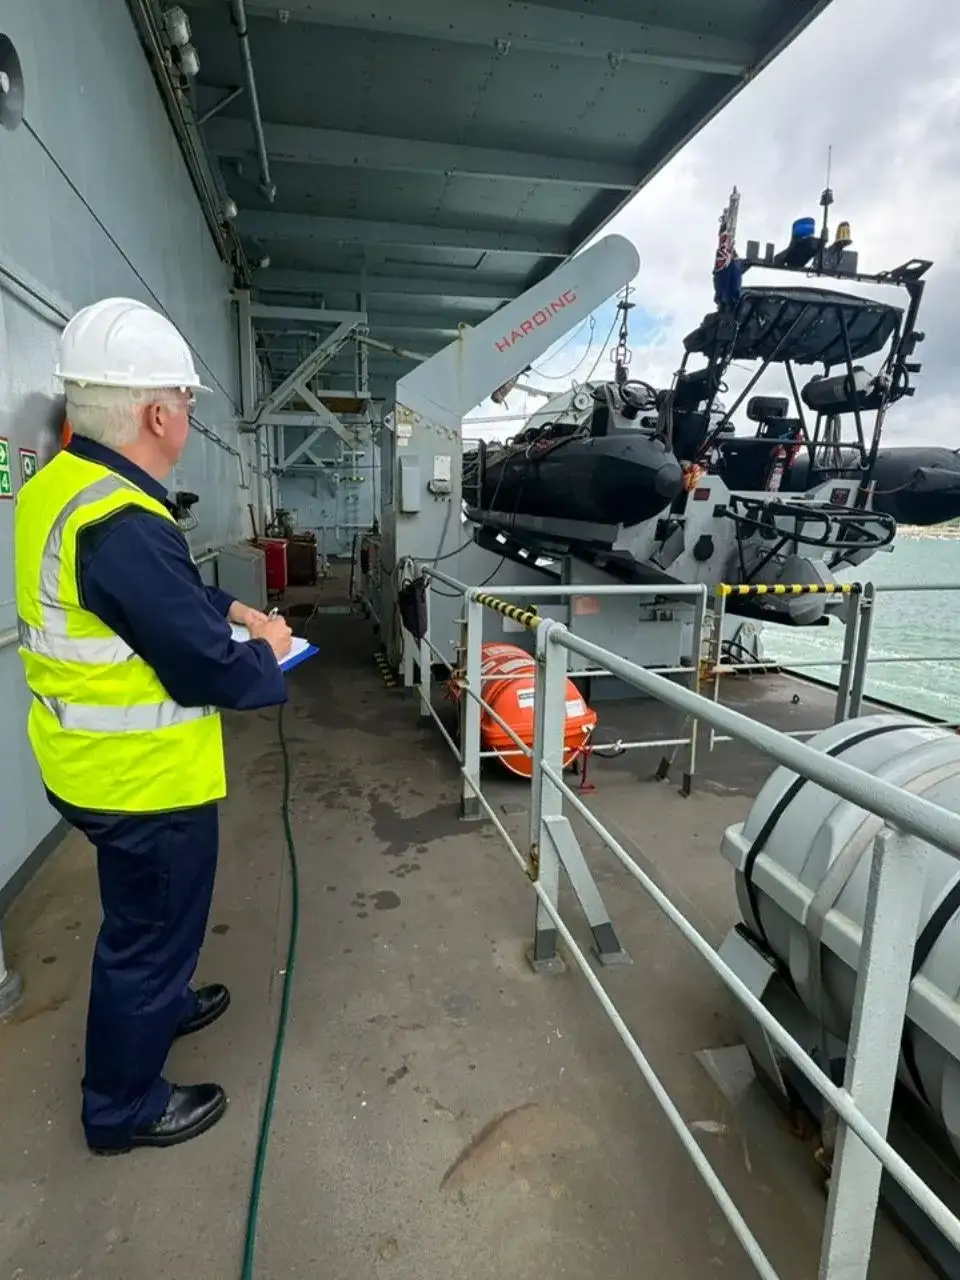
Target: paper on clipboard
300	650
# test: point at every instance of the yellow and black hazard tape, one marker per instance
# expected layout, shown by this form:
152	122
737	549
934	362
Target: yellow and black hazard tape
796	589
524	614
388	673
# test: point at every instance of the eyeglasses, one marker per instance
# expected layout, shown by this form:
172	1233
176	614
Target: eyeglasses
175	403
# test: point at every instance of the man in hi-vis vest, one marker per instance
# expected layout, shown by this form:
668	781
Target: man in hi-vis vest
128	657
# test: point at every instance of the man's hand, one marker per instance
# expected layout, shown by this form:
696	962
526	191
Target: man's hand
244	616
275	631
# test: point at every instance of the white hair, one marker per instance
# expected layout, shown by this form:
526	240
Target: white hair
109	415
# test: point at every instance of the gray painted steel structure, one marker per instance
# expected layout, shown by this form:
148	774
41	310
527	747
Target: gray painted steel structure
435	157
431	160
111	136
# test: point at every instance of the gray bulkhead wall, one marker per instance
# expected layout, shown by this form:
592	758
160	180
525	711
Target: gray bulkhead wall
91	98
338	499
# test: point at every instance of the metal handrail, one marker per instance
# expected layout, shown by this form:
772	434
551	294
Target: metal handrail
852	664
907	812
789	589
838	1098
696	595
557	591
884	978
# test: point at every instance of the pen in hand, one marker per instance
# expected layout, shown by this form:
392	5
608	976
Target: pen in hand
280	640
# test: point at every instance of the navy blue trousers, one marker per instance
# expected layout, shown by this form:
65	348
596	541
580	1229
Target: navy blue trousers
156	876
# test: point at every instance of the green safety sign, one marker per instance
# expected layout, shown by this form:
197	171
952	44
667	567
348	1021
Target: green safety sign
6	479
29	464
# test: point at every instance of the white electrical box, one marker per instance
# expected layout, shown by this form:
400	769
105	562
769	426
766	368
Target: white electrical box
442	483
410	485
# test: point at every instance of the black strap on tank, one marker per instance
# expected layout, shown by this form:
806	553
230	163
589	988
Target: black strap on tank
780	808
929	936
931	930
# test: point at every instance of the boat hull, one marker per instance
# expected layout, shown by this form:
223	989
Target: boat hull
620	480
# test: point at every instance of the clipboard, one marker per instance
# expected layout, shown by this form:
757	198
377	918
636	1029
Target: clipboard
300	650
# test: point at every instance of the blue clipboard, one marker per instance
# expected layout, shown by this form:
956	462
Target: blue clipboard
294	659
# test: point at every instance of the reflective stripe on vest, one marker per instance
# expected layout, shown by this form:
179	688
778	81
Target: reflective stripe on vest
53	639
55	616
138	719
93	651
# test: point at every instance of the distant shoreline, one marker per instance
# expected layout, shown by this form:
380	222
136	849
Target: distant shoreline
937	531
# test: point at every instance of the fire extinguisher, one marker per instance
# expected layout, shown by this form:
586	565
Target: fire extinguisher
783	457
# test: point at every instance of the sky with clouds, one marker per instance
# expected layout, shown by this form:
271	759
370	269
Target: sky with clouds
879	80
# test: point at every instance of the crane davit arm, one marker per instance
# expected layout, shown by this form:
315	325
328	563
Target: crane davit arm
421	448
461	376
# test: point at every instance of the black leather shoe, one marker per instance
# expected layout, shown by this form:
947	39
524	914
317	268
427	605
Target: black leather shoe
192	1110
211	1002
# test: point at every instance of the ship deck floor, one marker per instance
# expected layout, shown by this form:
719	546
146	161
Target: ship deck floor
442	1110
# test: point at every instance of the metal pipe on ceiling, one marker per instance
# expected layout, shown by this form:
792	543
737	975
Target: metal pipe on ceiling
238	13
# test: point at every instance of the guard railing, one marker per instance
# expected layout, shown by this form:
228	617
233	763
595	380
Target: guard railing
863	1103
852	665
695	596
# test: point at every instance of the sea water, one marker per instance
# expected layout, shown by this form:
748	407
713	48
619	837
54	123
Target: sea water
925	624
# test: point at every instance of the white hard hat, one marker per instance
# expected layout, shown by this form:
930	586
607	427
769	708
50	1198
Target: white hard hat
123	343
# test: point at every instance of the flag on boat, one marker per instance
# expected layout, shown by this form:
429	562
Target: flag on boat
727	267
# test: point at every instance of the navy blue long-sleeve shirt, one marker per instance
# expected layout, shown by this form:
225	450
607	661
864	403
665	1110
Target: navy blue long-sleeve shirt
136	575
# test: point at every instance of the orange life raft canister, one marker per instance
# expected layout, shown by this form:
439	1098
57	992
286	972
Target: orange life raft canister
511	696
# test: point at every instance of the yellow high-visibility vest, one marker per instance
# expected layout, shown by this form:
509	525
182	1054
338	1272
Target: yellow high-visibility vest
105	732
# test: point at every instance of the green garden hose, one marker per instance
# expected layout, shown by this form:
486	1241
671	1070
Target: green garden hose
263	1138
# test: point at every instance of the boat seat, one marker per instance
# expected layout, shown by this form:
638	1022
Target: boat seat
689	432
744	464
600	420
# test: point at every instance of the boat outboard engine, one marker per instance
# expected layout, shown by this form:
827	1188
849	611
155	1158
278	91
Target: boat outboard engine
790	571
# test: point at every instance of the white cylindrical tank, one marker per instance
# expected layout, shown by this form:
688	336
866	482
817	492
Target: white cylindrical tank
812	921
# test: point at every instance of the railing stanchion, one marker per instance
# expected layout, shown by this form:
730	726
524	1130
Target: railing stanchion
868	607
546	800
408	652
470	707
719	620
696	657
851	633
883	984
426	661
